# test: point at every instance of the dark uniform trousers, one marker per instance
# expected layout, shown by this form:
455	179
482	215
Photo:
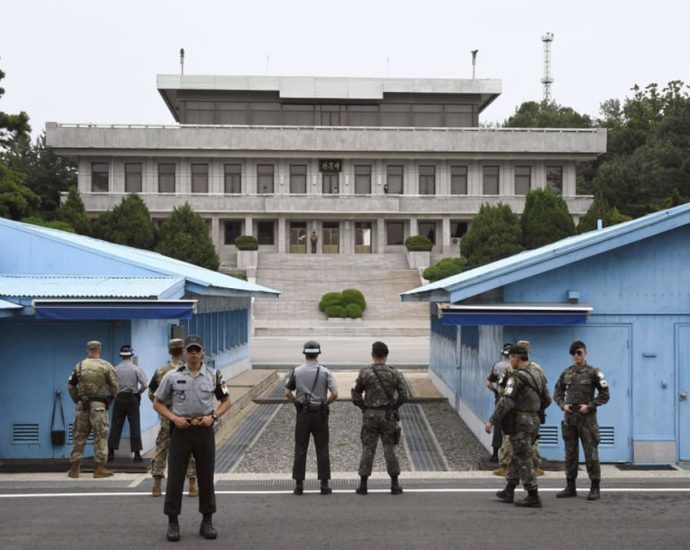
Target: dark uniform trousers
126	406
497	440
312	422
200	442
584	427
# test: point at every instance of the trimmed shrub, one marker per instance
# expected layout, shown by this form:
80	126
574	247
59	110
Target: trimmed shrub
417	243
330	299
444	268
354	296
335	311
353	311
246	242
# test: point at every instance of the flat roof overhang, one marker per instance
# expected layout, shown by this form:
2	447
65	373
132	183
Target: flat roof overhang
514	314
113	310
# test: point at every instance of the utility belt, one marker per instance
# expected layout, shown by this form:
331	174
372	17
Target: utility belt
195	421
528	413
307	408
387	408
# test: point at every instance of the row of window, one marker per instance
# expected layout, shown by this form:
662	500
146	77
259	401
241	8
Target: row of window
221	330
395	231
330	182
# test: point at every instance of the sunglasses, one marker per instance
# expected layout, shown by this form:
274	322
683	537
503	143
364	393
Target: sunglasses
194	349
579	352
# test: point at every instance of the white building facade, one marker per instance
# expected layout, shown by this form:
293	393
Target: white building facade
359	164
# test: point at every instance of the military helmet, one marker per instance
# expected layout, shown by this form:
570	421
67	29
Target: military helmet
126	351
506	349
312	347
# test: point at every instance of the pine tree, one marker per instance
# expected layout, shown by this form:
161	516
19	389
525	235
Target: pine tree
494	234
73	213
184	235
128	223
545	219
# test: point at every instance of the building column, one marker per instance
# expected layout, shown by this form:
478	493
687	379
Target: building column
248	225
380	236
282	235
215	232
414	228
445	235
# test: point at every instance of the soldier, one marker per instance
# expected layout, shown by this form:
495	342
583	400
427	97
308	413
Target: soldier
176	350
505	454
574	393
191	389
312	388
384	392
526	393
132	385
91	385
495	375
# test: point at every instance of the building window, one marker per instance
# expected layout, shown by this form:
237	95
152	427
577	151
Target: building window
99	177
133	172
166	178
298	179
554	178
233	179
363	179
457	229
264	178
523	179
428	229
490	180
199	178
330	183
394	180
233	229
265	232
427	180
395	233
458	180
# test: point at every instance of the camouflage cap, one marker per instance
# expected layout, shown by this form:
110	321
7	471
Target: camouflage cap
520	351
175	344
194	341
524	344
93	344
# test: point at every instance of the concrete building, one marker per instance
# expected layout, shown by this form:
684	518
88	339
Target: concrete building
623	290
59	290
361	163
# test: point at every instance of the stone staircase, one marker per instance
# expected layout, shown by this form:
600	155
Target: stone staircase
303	279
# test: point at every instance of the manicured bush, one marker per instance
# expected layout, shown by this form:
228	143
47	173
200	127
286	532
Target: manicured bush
335	311
330	299
417	243
444	268
354	296
246	242
353	311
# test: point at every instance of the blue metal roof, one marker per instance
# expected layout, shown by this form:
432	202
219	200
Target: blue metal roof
9	305
201	280
67	286
547	258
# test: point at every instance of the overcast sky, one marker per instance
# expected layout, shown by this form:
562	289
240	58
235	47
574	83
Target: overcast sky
96	61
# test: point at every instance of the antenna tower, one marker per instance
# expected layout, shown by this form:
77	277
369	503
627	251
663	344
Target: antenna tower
547	80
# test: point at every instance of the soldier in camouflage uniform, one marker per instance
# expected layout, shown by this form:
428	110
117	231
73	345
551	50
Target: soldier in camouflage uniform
574	393
505	453
526	393
91	386
384	391
176	350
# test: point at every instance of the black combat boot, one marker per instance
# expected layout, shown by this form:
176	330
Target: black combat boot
396	489
111	455
569	491
299	487
325	489
508	494
173	534
206	529
594	493
137	457
362	489
532	500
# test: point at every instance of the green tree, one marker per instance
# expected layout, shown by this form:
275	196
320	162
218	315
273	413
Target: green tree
600	209
73	213
545	219
533	114
184	235
12	127
16	200
54	224
648	149
128	223
495	233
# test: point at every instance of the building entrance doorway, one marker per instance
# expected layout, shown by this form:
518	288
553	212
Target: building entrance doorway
331	238
298	237
362	238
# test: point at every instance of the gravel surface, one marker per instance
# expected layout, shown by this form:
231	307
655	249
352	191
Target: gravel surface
273	450
461	449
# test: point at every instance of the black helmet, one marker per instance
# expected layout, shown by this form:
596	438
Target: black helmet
506	349
312	347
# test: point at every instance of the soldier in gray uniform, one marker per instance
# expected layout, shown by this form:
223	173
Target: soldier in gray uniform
312	388
574	393
526	393
91	386
191	389
492	383
384	392
132	385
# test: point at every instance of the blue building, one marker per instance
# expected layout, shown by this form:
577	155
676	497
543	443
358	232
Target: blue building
623	290
59	290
